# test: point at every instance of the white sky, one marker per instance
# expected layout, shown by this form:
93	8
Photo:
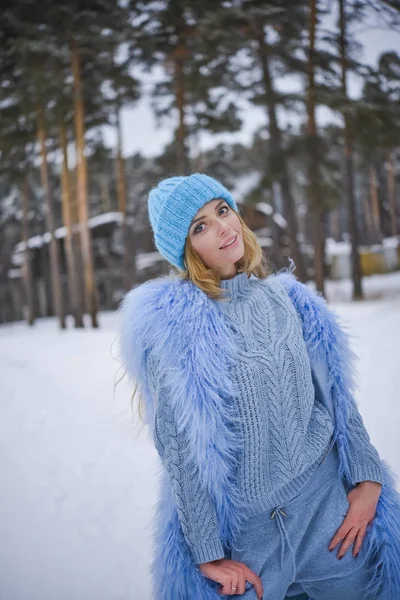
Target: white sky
142	135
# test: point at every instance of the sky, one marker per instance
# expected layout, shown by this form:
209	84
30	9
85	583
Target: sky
141	134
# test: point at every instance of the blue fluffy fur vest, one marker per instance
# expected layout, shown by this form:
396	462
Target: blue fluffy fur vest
186	331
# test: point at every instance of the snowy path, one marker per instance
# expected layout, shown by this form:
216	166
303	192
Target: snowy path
78	475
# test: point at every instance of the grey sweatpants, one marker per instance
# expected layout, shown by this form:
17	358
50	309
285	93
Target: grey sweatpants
287	546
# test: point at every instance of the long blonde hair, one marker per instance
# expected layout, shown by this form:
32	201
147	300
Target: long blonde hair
208	280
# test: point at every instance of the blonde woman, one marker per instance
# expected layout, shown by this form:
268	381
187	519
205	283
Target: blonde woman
271	486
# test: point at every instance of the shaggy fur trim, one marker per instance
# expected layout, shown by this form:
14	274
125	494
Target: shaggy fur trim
326	340
177	323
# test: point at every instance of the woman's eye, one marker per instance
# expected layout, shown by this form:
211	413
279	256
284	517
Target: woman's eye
196	229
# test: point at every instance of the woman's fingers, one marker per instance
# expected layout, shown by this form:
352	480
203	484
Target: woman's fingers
228	582
232	576
359	540
347	534
348	540
256	581
339	535
242	581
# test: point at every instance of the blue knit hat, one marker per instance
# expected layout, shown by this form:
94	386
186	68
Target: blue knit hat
172	206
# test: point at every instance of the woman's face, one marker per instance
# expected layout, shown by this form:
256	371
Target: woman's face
215	225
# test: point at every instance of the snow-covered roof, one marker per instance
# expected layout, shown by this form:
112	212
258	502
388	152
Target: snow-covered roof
15	273
147	259
279	220
335	248
264	207
143	261
38	240
264	241
103	219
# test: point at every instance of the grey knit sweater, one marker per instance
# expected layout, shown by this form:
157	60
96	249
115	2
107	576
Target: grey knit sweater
286	430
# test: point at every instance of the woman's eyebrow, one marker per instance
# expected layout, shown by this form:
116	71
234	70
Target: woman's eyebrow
204	216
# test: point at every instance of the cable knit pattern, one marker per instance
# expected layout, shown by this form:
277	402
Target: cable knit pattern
195	509
364	463
286	431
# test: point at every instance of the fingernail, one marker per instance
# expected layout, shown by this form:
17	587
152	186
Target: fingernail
340	557
330	549
356	555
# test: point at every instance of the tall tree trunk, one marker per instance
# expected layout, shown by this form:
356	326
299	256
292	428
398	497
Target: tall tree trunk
27	253
73	279
313	158
375	211
334	224
181	155
54	250
129	246
277	163
348	150
369	225
105	193
83	208
392	194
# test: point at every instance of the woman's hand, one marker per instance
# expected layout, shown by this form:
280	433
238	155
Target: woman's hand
231	574
363	500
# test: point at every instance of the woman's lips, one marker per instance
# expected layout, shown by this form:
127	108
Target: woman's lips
233	245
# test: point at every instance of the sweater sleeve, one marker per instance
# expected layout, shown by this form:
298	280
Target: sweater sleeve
196	512
364	460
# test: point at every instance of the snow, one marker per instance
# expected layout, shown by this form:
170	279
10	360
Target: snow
244	184
143	261
391	242
15	273
38	240
264	207
147	259
264	241
280	220
79	475
334	248
110	217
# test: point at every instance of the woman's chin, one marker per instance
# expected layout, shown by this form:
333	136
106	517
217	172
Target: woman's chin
232	259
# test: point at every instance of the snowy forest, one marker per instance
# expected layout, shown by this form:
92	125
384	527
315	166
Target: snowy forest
319	181
294	105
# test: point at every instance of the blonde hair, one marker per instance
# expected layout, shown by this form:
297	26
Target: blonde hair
208	280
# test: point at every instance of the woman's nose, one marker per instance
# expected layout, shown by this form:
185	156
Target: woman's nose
222	227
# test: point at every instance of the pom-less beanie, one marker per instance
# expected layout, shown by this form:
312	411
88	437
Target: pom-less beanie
172	206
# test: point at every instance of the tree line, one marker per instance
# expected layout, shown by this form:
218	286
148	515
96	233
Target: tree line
69	69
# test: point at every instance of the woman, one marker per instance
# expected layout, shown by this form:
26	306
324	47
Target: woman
246	378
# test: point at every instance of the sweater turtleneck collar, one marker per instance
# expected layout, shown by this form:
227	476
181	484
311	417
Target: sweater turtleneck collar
237	284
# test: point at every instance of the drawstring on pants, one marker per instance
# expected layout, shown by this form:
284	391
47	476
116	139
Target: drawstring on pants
279	513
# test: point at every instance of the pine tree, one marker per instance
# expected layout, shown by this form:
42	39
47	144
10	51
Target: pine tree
27	91
257	42
170	35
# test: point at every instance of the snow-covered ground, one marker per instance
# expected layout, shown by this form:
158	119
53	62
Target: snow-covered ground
78	475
